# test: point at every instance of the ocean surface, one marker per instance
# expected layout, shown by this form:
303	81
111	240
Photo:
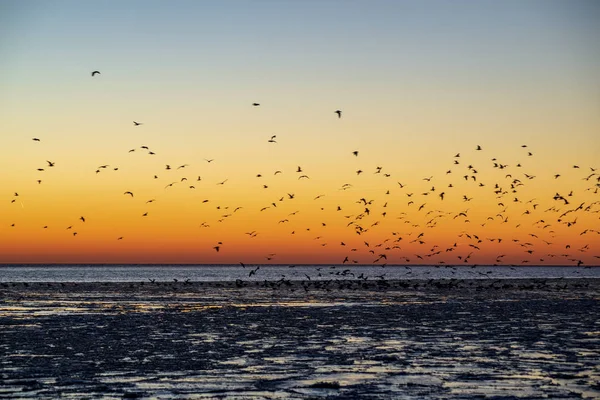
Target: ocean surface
524	339
225	273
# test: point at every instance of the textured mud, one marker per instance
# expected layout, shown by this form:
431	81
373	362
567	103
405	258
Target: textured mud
185	341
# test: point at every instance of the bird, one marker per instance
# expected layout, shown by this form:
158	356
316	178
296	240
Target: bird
129	193
355	153
94	73
36	139
478	147
339	113
256	104
136	123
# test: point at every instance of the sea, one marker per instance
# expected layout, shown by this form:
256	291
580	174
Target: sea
277	341
225	273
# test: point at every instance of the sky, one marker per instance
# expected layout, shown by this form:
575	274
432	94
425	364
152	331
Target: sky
417	82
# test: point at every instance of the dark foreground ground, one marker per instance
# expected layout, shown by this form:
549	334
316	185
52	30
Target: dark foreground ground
482	339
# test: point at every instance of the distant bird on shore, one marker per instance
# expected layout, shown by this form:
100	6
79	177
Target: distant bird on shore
94	73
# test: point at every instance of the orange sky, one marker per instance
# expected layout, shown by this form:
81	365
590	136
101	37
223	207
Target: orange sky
413	94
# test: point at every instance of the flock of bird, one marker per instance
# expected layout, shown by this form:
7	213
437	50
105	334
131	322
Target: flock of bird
401	228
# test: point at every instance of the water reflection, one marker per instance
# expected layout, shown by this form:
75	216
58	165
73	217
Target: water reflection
398	344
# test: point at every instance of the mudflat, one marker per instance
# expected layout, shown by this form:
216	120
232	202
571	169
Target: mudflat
503	339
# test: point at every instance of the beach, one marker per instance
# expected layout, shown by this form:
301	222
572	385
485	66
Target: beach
436	339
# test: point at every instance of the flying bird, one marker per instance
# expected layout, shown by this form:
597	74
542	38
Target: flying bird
95	73
339	113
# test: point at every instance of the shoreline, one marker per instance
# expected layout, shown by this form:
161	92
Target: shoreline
341	285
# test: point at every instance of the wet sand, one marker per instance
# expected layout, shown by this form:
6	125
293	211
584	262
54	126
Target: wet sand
503	339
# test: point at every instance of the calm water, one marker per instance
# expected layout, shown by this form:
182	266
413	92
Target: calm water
206	273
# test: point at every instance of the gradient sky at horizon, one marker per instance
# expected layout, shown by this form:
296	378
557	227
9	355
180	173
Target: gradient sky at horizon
418	82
